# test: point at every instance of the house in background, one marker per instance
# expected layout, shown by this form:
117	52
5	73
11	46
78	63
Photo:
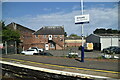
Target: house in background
102	41
26	34
50	37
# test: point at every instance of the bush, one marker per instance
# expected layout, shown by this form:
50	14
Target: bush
73	56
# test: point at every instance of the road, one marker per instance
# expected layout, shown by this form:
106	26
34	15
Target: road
106	67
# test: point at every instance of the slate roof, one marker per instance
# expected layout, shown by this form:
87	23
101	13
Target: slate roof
50	30
18	25
106	35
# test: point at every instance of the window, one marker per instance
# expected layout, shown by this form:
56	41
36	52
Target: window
52	45
55	36
60	36
44	36
36	36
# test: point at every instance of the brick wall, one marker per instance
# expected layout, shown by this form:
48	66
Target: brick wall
73	44
43	39
26	35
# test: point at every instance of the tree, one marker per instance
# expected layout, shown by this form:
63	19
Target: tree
107	31
99	31
65	34
74	36
9	34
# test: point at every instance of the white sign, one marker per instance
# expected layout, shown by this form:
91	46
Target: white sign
82	19
1	45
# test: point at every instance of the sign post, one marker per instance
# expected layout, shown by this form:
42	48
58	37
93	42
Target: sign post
82	51
81	19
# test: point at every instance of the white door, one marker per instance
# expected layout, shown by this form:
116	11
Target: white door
46	47
50	37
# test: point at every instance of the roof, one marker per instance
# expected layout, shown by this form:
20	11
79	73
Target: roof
50	30
20	26
106	35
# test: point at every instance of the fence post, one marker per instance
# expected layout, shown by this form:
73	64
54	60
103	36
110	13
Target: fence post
15	47
6	47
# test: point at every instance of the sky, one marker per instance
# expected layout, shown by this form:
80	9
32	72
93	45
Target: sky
35	15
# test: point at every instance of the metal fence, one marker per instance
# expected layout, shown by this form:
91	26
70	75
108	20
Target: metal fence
10	47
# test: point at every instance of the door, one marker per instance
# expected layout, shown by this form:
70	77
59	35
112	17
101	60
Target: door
46	47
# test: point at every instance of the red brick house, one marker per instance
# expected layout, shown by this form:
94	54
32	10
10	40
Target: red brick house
26	34
50	37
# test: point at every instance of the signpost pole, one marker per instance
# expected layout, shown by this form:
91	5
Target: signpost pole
81	19
82	50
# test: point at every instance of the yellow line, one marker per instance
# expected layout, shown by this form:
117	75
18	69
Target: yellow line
62	66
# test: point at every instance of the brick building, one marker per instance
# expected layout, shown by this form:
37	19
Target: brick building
50	37
26	34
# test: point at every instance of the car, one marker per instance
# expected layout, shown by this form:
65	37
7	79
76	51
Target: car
111	56
112	52
109	49
115	51
29	52
38	49
43	54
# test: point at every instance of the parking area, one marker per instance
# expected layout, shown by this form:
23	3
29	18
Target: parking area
63	53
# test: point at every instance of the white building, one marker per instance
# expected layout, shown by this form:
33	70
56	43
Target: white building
103	41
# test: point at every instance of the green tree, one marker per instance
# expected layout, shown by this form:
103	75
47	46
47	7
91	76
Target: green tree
100	31
107	31
74	35
9	34
65	34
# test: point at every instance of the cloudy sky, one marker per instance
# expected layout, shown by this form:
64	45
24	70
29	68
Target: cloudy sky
35	15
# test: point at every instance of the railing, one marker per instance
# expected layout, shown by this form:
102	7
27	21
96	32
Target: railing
57	41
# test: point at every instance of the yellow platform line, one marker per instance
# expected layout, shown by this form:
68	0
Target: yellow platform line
63	66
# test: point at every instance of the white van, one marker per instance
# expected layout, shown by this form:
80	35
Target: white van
88	46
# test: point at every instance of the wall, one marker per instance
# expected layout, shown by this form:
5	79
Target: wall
73	43
107	42
93	38
58	47
41	40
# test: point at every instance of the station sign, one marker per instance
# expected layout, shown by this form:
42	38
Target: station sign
81	19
